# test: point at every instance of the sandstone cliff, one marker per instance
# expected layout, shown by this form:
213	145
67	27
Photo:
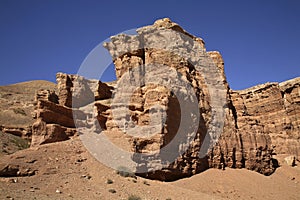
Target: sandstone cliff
147	116
273	109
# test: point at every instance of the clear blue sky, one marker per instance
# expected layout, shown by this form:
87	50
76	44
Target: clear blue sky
259	40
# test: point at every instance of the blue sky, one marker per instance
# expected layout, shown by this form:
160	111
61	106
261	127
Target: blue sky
259	40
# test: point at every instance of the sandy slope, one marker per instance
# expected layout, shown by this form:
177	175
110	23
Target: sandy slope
244	184
65	170
10	143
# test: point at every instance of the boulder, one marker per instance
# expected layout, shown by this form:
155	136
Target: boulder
52	113
290	161
43	133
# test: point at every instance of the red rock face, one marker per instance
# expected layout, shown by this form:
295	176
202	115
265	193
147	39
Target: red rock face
272	109
237	147
254	120
55	113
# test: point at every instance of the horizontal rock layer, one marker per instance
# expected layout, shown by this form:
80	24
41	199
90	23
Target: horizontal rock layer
58	115
272	109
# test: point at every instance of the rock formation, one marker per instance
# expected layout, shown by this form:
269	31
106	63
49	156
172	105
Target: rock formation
54	113
272	109
151	112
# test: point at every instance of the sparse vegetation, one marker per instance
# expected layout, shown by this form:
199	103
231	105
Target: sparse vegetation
112	191
146	183
20	142
109	181
125	172
10	143
20	111
134	197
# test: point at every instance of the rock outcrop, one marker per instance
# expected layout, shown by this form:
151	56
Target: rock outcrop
54	113
236	148
175	108
272	109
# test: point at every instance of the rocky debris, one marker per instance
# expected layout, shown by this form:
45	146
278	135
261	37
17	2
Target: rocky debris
47	133
14	170
290	160
86	176
57	170
58	191
23	132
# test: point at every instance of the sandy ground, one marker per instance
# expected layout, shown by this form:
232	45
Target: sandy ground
65	170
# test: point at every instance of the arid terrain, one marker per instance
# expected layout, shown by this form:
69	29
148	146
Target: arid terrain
43	154
65	170
17	102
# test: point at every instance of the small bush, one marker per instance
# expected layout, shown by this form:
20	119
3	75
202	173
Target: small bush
109	181
112	191
20	142
125	172
146	183
134	197
19	111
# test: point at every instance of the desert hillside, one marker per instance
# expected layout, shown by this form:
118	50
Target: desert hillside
17	102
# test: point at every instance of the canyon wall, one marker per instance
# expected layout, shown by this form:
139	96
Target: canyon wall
170	105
